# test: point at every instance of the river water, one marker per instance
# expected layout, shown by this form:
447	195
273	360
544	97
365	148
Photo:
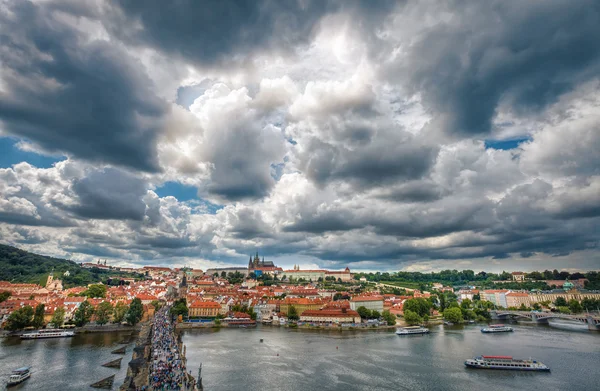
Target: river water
64	363
235	359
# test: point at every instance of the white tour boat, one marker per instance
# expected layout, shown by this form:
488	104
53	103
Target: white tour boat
49	333
19	376
506	363
412	330
497	328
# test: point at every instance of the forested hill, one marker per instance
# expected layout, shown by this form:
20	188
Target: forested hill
17	265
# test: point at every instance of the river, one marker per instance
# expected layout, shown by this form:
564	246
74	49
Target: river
287	360
235	359
64	363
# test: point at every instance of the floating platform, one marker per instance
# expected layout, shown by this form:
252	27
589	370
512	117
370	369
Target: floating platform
120	350
105	384
113	364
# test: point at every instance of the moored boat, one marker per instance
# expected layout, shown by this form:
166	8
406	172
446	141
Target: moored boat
497	328
412	330
18	376
506	363
49	333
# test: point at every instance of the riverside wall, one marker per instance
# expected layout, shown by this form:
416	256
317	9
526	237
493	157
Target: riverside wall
139	366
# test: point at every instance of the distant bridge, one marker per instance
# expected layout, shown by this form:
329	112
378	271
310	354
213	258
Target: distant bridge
592	321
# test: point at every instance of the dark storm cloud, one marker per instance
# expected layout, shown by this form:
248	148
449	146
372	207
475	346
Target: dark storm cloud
110	194
213	30
89	99
527	53
413	191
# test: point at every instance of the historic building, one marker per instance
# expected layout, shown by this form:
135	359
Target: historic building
329	315
256	263
204	309
369	302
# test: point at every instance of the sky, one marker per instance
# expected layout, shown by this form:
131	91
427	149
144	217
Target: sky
380	135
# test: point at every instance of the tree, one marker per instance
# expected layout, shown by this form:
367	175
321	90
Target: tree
157	304
560	302
536	306
95	290
38	316
59	317
466	304
453	315
180	308
442	298
293	313
389	317
419	305
4	296
364	312
375	314
412	317
119	312
575	307
83	314
20	318
135	312
337	296
103	312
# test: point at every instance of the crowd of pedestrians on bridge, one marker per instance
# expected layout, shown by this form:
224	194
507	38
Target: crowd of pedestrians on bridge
167	369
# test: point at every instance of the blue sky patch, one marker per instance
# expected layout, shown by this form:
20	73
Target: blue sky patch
506	144
177	190
10	154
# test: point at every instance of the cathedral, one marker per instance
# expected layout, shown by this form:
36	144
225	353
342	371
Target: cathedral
256	263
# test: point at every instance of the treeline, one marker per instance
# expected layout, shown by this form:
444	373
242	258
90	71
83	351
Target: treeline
27	316
455	277
17	265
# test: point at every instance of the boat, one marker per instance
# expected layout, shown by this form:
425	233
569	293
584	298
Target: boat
412	330
446	323
18	376
497	328
48	333
506	363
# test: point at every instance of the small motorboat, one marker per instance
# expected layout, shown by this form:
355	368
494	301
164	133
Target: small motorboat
18	376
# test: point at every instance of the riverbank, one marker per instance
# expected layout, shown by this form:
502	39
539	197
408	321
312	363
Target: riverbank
111	328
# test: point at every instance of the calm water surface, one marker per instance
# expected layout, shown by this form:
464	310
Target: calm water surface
64	363
234	359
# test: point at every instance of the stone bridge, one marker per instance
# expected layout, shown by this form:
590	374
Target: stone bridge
592	321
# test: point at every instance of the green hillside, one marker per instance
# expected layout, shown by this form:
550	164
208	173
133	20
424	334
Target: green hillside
17	265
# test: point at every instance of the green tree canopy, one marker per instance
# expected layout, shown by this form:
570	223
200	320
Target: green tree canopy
59	317
38	316
575	306
364	312
560	302
4	296
419	305
83	314
453	315
412	318
95	291
119	312
103	312
293	313
135	312
20	318
389	317
179	308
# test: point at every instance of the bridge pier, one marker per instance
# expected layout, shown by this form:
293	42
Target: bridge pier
593	324
538	319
